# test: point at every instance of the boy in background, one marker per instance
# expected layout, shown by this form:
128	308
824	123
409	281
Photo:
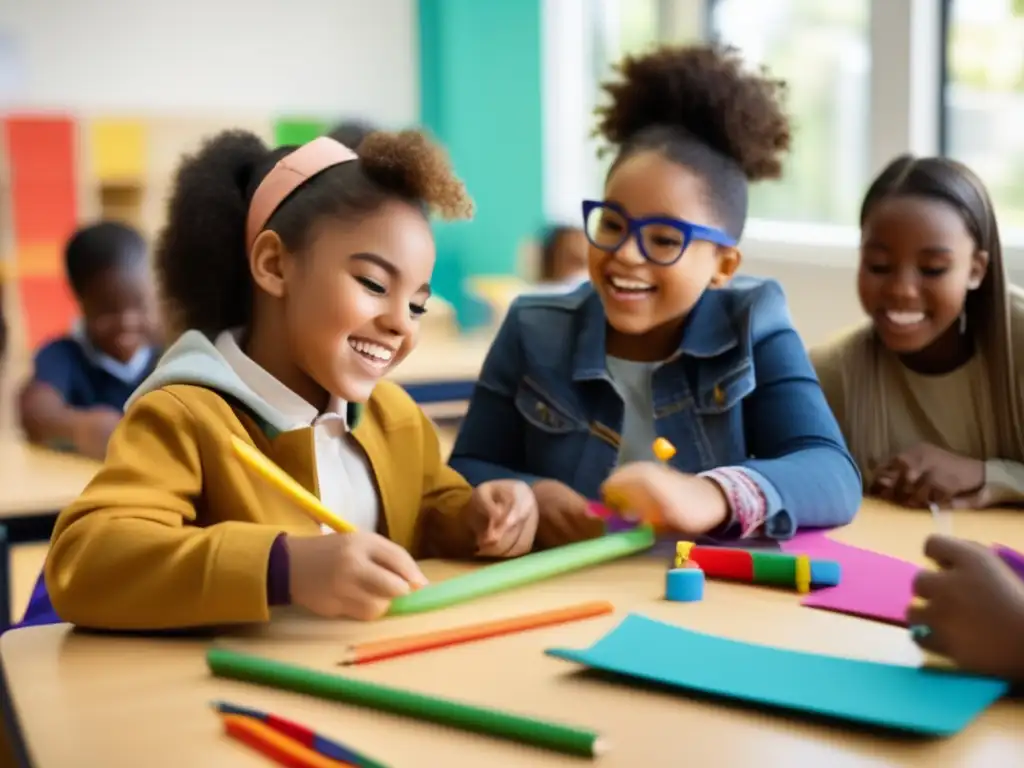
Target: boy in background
81	381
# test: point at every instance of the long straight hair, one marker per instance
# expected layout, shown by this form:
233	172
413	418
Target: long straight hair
987	309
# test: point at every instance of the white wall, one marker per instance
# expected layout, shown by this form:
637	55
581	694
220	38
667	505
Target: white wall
315	57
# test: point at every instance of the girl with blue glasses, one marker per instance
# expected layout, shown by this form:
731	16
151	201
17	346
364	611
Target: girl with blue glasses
664	341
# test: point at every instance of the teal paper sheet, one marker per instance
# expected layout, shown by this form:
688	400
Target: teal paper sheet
917	700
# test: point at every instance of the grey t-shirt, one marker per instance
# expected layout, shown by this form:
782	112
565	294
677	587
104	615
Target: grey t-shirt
633	381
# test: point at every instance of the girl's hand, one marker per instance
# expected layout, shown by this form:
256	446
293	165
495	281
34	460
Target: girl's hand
503	516
352	575
974	609
927	474
563	515
685	503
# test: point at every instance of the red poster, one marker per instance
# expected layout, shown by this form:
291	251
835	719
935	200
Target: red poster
49	308
41	158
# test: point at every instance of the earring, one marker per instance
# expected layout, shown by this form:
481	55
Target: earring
963	321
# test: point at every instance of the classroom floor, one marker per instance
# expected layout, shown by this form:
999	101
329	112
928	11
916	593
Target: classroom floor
27	559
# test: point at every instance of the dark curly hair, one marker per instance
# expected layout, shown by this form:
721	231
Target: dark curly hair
699	107
201	259
98	248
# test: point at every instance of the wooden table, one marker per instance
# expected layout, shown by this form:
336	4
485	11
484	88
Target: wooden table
92	700
35	484
441	372
35	481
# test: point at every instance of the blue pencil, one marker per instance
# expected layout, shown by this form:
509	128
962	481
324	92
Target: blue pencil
300	733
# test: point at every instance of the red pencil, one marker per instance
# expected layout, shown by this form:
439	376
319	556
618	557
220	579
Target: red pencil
386	649
276	746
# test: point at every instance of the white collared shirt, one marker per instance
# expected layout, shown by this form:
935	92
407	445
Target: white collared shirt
128	372
346	480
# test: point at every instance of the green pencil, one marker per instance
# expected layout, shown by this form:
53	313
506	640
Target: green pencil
276	674
523	570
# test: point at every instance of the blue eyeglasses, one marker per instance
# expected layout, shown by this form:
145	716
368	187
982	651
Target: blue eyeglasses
662	240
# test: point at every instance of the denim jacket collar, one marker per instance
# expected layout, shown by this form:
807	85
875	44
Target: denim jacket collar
709	331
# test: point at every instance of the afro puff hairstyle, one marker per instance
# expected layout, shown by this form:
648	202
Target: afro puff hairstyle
699	107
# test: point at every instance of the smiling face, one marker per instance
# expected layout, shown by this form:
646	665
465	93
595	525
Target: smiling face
918	261
351	302
646	303
118	310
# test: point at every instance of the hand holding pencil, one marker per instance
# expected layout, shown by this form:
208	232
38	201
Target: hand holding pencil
666	498
355	575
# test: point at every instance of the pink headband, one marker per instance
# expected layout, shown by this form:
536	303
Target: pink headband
290	172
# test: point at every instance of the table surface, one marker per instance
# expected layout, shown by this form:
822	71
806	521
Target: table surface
456	358
116	701
37	481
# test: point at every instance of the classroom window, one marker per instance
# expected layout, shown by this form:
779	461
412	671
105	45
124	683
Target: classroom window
626	27
983	99
822	51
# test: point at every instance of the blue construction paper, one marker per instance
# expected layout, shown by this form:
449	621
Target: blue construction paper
918	700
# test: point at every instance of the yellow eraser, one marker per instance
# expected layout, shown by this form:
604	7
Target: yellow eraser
663	449
683	552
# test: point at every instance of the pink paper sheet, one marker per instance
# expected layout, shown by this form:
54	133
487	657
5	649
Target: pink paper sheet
873	586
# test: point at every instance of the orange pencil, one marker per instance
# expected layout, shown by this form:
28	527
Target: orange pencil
399	646
276	746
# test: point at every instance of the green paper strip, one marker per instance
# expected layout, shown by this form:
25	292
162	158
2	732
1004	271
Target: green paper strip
775	568
275	674
523	570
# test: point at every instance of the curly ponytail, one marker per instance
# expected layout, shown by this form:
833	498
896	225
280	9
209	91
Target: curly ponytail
201	258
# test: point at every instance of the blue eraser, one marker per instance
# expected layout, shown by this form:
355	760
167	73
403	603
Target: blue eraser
825	573
684	585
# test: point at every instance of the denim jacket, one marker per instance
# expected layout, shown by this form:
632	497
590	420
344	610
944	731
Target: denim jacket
739	391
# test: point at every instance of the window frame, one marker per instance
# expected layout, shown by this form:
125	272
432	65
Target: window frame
909	44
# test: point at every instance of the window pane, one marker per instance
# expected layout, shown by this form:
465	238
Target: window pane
627	27
821	48
985	98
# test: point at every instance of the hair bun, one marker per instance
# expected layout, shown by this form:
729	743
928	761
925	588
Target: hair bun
414	166
705	91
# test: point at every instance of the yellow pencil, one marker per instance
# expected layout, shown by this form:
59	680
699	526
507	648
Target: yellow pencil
286	484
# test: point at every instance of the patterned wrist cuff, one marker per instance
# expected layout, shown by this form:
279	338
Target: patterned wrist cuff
746	500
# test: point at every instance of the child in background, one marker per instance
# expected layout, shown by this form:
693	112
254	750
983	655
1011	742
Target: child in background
301	274
563	259
927	392
972	609
81	381
663	342
352	132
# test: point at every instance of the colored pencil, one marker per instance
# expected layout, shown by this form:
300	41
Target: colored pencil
276	746
280	479
307	738
943	519
527	569
1012	558
774	568
364	653
253	669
